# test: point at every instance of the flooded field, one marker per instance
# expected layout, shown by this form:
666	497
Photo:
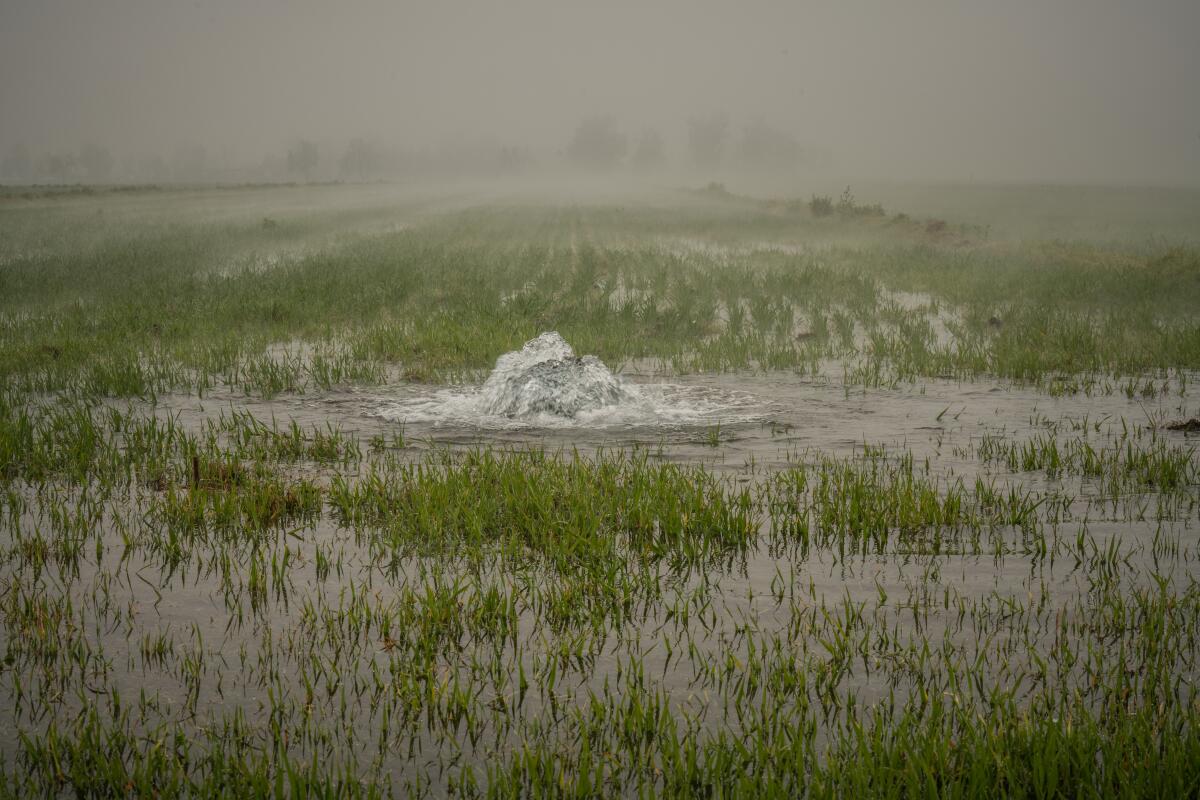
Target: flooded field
840	506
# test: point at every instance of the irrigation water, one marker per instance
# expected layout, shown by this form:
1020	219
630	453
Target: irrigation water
816	527
546	385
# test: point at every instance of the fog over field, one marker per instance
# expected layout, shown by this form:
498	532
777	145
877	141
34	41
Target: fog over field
539	399
1078	91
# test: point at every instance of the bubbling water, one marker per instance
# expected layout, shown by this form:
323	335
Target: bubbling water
546	377
545	384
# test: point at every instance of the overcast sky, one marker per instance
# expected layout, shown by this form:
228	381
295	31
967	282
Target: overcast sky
1055	90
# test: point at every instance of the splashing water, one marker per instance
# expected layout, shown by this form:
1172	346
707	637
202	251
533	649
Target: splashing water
546	377
544	384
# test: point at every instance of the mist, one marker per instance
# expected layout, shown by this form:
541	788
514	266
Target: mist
790	93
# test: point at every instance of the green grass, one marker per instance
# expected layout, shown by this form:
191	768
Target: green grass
187	307
205	596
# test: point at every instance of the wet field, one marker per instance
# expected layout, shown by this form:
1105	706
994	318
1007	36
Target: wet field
324	568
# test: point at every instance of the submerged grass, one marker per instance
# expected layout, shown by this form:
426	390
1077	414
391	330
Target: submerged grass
230	604
713	288
579	515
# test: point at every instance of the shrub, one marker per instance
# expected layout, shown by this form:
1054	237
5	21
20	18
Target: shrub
821	205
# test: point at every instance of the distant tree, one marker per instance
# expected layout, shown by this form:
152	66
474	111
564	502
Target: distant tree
648	152
769	148
302	159
821	205
513	159
597	143
360	159
96	162
56	167
17	166
706	138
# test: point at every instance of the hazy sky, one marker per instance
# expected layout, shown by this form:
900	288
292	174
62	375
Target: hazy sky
1067	90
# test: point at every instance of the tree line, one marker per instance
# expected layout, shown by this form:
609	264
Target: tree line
596	144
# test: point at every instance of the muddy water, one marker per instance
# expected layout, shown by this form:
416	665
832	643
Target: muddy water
761	423
766	421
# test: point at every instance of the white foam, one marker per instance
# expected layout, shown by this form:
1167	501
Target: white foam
545	385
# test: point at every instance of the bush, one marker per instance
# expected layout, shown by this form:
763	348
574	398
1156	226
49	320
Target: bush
848	207
821	205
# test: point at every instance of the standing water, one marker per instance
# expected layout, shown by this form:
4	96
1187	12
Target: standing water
546	385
